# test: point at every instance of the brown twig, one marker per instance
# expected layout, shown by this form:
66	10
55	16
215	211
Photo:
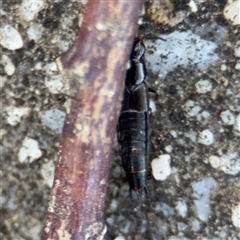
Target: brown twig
94	69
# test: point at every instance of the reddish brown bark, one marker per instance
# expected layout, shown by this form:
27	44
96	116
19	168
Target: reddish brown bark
94	70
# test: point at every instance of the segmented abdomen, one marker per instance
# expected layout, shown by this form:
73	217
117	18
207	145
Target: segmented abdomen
133	139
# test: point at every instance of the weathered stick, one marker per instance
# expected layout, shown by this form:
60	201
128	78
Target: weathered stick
94	70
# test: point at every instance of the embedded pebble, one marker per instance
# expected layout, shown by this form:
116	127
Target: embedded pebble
223	67
206	137
50	68
119	238
29	151
162	12
54	119
237	49
29	9
191	108
11	38
47	172
54	83
203	86
201	195
9	67
231	12
230	163
227	117
178	50
236	126
161	168
214	161
168	148
15	114
237	66
193	6
236	215
181	208
34	32
152	106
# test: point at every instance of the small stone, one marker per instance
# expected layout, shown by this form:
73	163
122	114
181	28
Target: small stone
230	163
9	67
236	126
206	137
168	148
223	67
181	208
10	38
236	216
203	86
34	33
54	83
237	49
29	9
231	12
54	119
227	117
15	114
50	68
191	108
161	168
237	66
29	151
47	172
214	161
202	190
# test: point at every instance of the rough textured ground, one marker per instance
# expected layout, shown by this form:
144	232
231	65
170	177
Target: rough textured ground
195	120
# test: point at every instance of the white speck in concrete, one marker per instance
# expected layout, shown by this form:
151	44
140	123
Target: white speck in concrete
203	86
231	12
168	148
230	163
203	117
161	168
34	32
214	161
113	205
236	126
152	106
15	114
196	225
173	133
50	68
237	66
237	49
10	38
179	49
29	151
201	197
236	215
54	83
9	67
181	208
54	119
191	108
119	238
193	6
223	67
227	117
29	9
3	80
38	66
47	172
206	137
192	135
